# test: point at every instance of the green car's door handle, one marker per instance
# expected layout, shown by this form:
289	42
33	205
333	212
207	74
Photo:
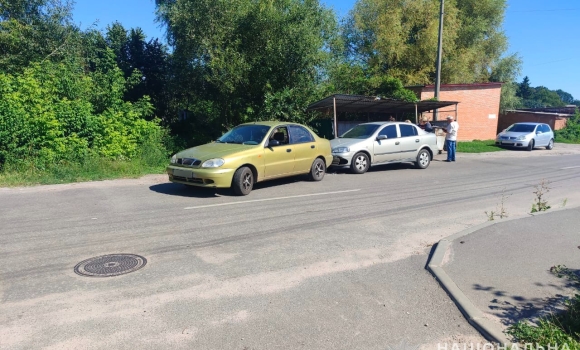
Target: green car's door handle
289	150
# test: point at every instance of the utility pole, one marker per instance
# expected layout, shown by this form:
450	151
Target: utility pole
439	53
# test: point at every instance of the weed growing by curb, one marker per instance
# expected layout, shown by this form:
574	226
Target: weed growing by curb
500	211
540	202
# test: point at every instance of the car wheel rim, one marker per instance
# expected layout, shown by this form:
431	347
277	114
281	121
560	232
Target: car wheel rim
424	159
247	182
551	144
360	163
318	170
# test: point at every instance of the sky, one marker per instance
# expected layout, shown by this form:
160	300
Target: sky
545	34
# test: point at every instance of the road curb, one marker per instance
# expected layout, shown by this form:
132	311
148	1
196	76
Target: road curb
474	316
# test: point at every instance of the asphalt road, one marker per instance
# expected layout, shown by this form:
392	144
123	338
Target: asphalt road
336	264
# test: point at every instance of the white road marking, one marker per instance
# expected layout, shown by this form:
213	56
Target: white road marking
269	199
570	167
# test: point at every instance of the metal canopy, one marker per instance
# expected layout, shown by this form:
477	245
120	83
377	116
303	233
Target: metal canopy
368	104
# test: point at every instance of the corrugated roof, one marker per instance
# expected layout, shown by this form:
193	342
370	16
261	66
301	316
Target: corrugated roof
370	104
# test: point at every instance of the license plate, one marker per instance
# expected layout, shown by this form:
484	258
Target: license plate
507	143
183	173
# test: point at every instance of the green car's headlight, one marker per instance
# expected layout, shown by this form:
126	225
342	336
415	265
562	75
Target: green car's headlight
213	163
174	159
340	150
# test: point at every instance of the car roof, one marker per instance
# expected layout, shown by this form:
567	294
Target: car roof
383	123
530	123
271	123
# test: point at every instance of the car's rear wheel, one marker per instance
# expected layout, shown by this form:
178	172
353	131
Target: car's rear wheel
550	144
317	170
423	159
243	181
360	163
531	145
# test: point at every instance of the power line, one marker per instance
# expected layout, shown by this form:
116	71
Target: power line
566	59
553	10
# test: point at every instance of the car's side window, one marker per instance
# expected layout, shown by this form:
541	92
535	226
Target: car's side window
407	130
299	134
390	131
280	134
547	128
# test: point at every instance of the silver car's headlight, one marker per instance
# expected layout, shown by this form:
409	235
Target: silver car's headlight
522	137
213	163
340	150
174	159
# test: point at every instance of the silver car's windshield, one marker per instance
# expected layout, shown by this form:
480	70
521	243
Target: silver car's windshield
362	131
521	128
245	134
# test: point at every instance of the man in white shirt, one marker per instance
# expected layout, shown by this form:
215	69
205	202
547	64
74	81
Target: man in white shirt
451	138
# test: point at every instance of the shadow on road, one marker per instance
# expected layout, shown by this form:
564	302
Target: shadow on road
374	168
513	308
175	189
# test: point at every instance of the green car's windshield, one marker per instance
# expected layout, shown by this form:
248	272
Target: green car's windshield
363	131
245	135
521	128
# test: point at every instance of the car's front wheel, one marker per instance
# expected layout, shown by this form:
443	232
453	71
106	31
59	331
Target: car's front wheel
360	163
317	170
531	145
423	159
550	144
243	181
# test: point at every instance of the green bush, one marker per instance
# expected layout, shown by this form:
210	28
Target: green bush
571	133
49	115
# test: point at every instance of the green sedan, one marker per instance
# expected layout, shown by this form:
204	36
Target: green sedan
251	153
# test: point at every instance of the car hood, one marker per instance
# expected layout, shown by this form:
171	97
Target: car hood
345	142
213	150
514	134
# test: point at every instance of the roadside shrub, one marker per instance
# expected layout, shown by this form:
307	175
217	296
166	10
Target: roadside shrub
48	115
571	133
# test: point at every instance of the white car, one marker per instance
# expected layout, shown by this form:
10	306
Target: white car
526	135
382	143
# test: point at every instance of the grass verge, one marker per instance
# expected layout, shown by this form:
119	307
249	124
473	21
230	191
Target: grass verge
478	146
31	172
563	140
557	329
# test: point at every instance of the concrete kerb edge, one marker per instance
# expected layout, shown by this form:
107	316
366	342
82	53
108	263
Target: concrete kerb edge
473	315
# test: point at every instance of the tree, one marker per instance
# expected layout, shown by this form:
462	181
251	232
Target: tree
34	30
524	89
399	39
240	60
565	97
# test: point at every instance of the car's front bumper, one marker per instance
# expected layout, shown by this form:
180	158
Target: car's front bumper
210	177
341	159
512	143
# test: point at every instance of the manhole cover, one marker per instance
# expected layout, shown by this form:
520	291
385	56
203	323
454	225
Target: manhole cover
110	265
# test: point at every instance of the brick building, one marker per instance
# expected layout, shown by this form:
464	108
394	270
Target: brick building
478	109
556	117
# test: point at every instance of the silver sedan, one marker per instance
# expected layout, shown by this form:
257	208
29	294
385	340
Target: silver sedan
381	143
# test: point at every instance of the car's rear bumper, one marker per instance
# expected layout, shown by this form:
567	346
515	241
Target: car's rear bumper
215	178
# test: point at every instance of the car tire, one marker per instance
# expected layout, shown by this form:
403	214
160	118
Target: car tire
550	144
531	145
360	163
423	159
317	170
243	181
